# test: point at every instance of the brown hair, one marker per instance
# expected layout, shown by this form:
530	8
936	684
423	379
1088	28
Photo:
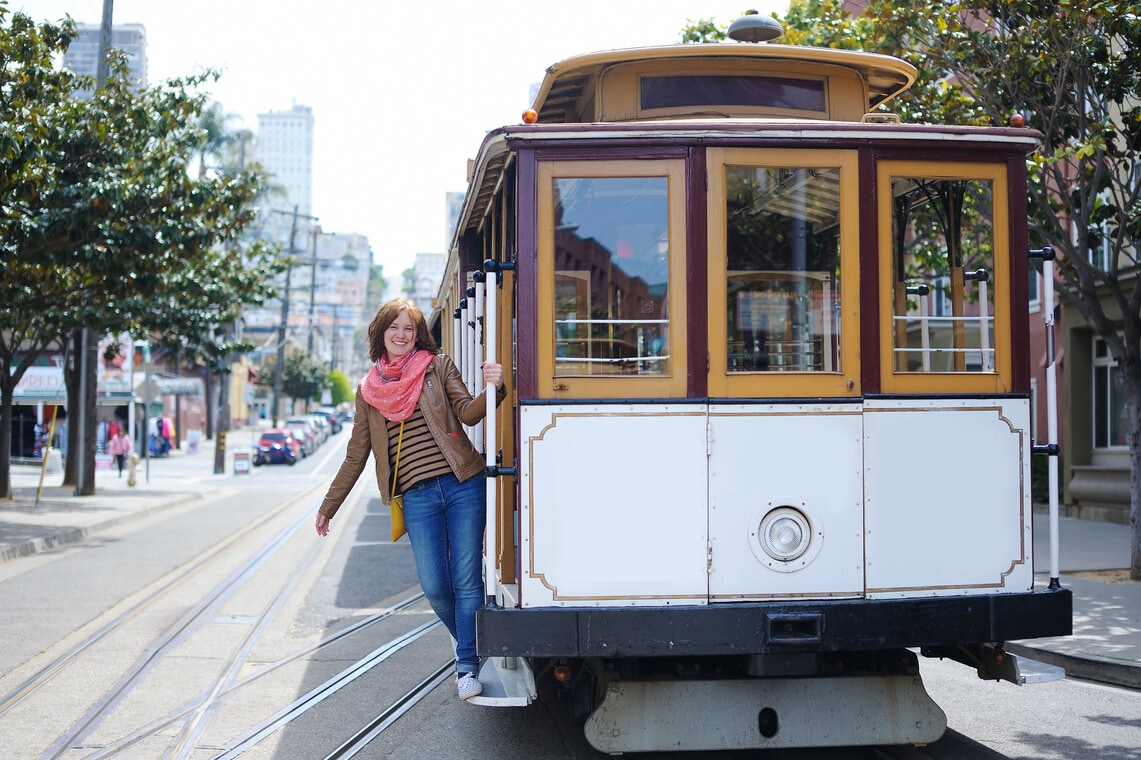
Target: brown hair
386	315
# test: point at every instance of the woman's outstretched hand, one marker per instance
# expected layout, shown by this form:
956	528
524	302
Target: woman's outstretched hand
322	525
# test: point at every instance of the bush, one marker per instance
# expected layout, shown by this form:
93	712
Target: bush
1040	479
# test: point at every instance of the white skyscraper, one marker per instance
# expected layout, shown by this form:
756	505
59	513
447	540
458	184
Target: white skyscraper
82	56
285	152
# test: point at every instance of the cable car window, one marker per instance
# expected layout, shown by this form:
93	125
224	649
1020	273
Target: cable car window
612	248
944	265
734	90
783	269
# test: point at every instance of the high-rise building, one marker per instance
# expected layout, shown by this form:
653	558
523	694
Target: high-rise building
285	151
454	205
82	55
427	276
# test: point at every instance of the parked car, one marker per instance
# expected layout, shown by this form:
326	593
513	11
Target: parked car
316	434
324	429
304	437
331	416
276	446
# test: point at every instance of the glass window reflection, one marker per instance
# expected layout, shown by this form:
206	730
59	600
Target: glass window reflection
783	269
611	253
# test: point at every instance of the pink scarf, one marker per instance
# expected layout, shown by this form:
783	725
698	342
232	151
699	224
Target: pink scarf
393	388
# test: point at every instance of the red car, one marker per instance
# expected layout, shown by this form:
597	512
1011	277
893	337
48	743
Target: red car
277	446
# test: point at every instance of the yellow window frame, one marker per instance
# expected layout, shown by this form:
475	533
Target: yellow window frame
669	385
843	383
998	380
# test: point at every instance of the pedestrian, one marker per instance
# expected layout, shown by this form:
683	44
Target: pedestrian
120	448
440	473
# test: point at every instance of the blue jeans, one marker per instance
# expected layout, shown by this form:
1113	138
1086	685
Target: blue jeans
445	520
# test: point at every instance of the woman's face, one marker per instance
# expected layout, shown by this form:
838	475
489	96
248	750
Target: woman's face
400	337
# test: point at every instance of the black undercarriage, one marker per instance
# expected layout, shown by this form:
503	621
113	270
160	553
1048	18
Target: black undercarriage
772	628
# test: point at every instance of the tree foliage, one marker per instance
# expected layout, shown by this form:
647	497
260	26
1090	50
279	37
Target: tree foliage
101	224
301	377
342	388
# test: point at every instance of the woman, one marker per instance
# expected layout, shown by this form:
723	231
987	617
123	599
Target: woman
439	472
119	447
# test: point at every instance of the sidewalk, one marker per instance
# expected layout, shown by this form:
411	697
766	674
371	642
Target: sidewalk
29	525
1105	645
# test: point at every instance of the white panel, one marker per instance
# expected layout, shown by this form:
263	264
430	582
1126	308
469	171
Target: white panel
947	497
805	456
614	505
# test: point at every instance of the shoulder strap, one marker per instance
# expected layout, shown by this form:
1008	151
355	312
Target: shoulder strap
396	465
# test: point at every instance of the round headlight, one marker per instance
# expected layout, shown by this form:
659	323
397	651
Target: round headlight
785	534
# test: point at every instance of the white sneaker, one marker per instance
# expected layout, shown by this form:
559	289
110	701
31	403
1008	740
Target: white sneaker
469	686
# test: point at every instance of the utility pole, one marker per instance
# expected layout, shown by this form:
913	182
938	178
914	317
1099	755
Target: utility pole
313	285
227	379
88	358
281	330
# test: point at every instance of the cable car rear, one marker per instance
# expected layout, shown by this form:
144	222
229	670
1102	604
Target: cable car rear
770	429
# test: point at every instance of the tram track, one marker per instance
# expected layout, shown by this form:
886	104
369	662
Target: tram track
191	621
257	568
203	562
205	703
361	739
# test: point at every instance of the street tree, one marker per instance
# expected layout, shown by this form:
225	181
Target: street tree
1071	68
342	388
104	217
301	377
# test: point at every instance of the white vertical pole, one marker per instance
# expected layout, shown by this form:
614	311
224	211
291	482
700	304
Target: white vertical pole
924	332
458	337
466	349
489	335
476	373
1051	415
984	333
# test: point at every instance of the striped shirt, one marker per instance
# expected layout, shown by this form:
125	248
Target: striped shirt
420	456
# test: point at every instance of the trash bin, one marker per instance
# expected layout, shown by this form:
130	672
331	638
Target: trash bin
55	460
193	441
241	461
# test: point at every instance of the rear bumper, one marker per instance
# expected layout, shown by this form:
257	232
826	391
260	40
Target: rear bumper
770	628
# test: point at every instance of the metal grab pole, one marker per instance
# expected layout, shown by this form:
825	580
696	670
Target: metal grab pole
477	374
1051	418
489	335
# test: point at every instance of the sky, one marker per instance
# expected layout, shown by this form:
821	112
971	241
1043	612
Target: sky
402	92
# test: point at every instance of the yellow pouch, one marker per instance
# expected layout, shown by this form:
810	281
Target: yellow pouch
396	502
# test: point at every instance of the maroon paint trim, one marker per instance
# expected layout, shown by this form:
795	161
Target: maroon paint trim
594	150
753	127
697	273
526	275
1019	285
869	254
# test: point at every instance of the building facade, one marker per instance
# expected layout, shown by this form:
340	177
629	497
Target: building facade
284	148
82	56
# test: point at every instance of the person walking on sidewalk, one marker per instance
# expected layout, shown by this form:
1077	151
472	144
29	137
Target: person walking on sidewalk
414	400
120	448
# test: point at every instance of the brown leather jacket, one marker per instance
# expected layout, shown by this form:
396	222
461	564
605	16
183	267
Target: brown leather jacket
447	406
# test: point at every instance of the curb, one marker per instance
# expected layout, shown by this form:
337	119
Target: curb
1088	666
66	536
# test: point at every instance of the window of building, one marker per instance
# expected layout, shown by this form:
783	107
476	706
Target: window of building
1109	423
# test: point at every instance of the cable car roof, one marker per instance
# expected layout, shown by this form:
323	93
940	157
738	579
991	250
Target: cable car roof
572	86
